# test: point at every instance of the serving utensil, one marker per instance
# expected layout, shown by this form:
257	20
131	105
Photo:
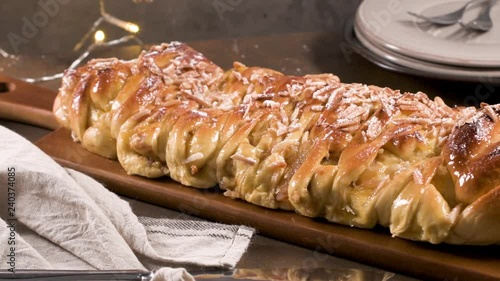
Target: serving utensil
445	19
99	275
70	275
483	21
207	274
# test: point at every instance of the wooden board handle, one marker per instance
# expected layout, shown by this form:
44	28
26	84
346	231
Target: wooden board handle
26	103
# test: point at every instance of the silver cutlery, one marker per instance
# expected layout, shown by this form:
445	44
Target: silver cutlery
70	275
445	19
483	21
99	275
205	274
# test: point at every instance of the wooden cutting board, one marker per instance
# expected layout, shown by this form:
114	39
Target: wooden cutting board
30	104
375	247
26	103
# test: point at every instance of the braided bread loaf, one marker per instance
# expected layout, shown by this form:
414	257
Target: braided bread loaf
354	154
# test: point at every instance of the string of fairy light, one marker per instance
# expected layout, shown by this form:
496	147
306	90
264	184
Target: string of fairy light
99	40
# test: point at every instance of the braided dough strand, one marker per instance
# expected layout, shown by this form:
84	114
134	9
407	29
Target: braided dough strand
354	154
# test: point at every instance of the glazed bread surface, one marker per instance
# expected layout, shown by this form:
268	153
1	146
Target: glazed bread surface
354	154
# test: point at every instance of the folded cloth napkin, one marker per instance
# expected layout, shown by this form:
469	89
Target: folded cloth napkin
77	214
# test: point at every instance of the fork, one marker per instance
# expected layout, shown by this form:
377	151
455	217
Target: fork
483	21
445	19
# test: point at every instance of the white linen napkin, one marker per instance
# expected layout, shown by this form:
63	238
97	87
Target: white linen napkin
82	217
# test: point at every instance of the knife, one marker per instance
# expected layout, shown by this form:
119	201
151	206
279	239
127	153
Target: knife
70	275
98	275
207	274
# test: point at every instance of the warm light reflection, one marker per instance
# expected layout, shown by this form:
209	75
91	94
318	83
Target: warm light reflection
132	27
99	36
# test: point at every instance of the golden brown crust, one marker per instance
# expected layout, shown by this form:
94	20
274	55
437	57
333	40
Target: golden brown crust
354	154
473	155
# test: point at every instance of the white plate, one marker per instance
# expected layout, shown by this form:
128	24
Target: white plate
439	70
425	68
387	23
451	71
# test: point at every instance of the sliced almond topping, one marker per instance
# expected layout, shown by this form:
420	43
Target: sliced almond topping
192	158
244	159
317	108
418	177
271	104
488	110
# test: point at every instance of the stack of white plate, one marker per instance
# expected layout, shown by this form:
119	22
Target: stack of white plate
389	36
